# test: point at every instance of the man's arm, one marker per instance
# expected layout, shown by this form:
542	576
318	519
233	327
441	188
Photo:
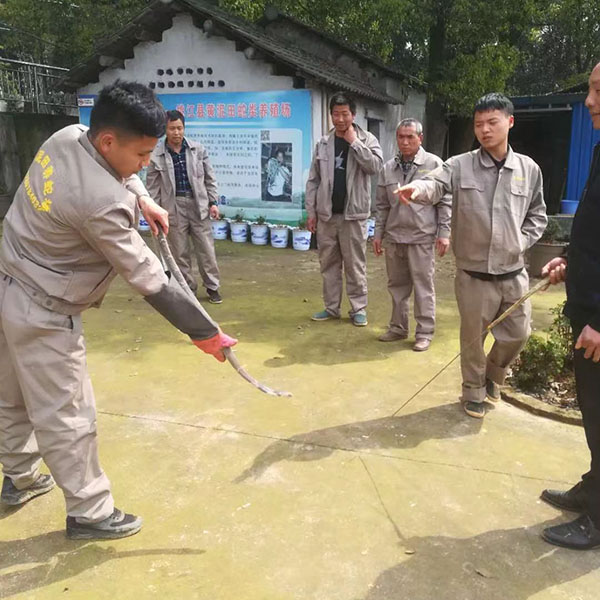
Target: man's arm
382	206
536	219
368	155
310	197
154	215
431	188
210	181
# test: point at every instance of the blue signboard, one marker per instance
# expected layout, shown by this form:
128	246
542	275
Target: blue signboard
259	144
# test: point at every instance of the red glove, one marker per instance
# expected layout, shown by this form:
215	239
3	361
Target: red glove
215	345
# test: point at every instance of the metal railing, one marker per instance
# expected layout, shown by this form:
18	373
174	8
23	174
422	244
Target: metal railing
30	87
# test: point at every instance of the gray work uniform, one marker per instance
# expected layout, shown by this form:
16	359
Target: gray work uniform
188	214
341	238
70	230
496	216
408	234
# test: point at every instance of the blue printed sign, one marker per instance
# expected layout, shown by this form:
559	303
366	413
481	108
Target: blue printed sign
259	144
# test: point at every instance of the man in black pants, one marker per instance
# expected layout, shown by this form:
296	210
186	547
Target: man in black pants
583	310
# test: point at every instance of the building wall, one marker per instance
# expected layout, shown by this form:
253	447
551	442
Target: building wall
188	48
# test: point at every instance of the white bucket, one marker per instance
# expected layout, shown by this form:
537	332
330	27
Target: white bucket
279	236
259	233
239	232
143	224
370	228
301	239
220	229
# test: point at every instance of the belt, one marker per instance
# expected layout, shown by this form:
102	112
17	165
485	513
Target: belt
492	277
188	194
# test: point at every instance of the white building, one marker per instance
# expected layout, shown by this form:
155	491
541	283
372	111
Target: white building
222	69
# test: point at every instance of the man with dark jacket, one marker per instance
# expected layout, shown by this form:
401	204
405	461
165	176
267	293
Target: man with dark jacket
583	309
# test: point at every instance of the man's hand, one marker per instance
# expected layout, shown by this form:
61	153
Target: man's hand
377	249
557	269
311	224
589	339
215	345
214	212
442	245
154	214
406	193
350	134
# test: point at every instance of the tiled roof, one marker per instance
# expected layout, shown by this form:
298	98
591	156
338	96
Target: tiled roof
156	18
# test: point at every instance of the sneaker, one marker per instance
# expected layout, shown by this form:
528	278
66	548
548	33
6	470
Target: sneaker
13	497
421	345
118	525
392	336
214	297
323	316
359	319
492	390
474	409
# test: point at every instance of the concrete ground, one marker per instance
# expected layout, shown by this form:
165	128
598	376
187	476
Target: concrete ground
324	496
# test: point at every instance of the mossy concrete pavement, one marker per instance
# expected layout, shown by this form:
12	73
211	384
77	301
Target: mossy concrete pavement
323	496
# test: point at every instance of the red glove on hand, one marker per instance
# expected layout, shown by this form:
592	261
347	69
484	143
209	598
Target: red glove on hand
215	345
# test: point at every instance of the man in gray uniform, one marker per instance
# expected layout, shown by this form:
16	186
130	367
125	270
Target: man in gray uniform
408	234
70	229
498	212
338	203
181	180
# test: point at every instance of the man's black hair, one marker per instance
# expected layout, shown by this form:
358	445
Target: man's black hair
341	99
494	101
175	115
130	108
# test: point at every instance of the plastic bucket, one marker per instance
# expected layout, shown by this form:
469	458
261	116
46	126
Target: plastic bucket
220	229
301	239
259	234
143	225
568	207
370	228
279	237
239	232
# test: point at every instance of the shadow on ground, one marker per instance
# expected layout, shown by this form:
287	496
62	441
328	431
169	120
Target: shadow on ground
42	560
503	564
403	431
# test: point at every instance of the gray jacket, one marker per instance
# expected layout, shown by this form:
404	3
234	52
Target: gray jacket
415	223
495	216
160	179
364	160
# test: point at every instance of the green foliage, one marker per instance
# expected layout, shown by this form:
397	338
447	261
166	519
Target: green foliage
303	224
543	359
261	220
239	217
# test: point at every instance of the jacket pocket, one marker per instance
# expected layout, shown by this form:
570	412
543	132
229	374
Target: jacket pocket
471	195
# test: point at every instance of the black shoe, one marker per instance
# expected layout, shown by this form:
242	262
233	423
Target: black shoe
214	297
14	497
118	525
492	390
474	409
565	500
580	534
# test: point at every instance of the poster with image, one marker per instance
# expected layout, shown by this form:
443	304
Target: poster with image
259	145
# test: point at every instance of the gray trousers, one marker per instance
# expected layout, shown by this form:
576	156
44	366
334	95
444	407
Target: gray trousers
479	303
185	224
411	266
343	248
47	405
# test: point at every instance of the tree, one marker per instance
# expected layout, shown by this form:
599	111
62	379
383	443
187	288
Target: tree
61	32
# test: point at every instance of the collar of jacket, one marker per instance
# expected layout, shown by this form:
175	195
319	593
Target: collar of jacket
161	147
85	141
418	159
486	161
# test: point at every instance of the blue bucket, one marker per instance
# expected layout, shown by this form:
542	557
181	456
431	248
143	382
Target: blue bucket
568	207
